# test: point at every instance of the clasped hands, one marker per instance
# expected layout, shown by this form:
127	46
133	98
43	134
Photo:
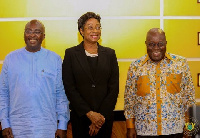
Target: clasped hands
97	121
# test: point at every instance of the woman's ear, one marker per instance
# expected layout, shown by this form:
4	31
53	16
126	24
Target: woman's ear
81	30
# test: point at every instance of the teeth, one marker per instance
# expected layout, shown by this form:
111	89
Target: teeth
94	36
32	41
156	53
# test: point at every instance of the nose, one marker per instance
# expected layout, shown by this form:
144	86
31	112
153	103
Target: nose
156	46
94	30
32	34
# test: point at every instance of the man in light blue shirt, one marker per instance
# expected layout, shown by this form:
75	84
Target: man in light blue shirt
33	103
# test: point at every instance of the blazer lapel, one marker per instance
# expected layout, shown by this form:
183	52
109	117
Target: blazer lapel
101	62
80	53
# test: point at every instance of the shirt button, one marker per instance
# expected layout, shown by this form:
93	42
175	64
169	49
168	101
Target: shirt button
93	86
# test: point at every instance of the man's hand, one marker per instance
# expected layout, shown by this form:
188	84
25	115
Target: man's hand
93	130
96	118
7	133
131	133
61	133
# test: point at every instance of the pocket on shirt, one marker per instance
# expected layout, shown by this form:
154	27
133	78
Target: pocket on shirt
48	73
173	83
143	86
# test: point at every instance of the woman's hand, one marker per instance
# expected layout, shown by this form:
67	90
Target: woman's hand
93	130
96	118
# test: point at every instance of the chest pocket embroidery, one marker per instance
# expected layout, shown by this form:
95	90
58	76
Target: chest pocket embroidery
143	86
173	83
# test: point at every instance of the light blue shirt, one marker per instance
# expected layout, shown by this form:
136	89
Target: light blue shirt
32	96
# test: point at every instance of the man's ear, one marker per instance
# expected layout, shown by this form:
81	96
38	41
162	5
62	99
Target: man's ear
43	36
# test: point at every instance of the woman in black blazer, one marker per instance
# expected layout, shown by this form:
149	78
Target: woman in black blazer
91	81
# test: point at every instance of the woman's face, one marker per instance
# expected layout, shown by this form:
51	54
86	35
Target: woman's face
91	31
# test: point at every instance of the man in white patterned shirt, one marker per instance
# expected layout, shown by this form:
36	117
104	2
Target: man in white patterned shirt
159	89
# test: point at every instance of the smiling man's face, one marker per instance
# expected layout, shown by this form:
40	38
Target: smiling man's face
34	35
156	45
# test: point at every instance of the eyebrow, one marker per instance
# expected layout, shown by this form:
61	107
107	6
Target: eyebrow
33	30
92	24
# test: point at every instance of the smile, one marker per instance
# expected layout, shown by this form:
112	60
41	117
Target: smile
156	53
94	36
32	41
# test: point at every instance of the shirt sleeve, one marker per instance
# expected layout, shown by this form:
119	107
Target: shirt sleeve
62	103
189	91
130	123
130	92
4	96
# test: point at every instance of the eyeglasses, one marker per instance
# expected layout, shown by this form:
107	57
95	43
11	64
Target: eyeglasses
98	28
28	32
152	44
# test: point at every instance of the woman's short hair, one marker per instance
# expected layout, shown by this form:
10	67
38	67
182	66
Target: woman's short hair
83	19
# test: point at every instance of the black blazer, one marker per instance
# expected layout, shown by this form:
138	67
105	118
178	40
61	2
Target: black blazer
84	92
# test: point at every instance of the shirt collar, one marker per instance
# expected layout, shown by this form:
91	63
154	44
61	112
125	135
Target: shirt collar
167	56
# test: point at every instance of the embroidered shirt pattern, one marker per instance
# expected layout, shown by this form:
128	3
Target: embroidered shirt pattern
157	95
